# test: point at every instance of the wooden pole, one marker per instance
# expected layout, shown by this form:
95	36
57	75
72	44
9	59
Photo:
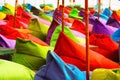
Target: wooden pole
87	40
99	4
23	1
70	2
16	3
109	6
73	2
118	50
62	15
58	2
44	5
4	2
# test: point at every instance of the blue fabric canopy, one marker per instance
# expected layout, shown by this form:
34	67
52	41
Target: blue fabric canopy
57	69
116	35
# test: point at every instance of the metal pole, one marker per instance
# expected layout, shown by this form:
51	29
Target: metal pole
87	40
16	3
62	15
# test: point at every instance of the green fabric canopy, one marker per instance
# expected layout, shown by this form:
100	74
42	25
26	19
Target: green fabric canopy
13	71
56	34
38	29
6	51
30	54
6	10
74	14
106	74
45	17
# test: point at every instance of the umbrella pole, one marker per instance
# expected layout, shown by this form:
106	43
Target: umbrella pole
109	6
73	3
44	5
58	2
62	15
4	2
99	4
118	50
70	2
23	1
87	40
16	3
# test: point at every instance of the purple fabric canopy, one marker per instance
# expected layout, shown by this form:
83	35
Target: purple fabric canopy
3	23
56	21
113	22
101	28
7	43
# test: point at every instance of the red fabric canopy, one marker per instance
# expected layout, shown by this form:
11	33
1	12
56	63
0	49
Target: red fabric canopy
12	33
79	26
73	53
115	16
106	46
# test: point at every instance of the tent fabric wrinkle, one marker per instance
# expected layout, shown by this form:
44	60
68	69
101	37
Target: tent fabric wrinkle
73	53
56	67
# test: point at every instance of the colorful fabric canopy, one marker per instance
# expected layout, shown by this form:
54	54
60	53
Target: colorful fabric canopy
7	43
6	53
102	74
74	14
56	33
45	17
13	71
116	35
100	28
38	29
74	53
2	15
113	22
6	10
10	32
57	69
30	54
106	46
